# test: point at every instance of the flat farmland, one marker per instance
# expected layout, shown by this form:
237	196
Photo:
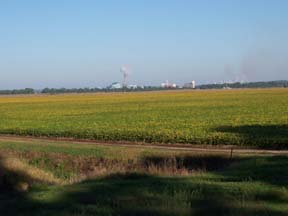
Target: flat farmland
254	117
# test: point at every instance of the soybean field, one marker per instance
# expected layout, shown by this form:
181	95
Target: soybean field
254	117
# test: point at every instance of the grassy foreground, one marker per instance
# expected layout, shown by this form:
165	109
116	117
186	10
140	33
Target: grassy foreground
137	181
256	117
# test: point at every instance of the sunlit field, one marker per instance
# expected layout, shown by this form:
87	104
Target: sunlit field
76	178
256	117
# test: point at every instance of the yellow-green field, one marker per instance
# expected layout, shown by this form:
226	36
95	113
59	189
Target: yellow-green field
257	117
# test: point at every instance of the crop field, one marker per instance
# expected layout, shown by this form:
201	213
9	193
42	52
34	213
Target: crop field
257	117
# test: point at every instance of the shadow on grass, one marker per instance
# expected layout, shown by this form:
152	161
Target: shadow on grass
264	136
12	179
188	162
222	193
271	170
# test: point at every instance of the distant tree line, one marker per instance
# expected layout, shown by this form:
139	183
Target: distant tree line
91	90
269	84
71	90
17	91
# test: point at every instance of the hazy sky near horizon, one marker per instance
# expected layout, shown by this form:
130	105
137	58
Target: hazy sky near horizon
83	43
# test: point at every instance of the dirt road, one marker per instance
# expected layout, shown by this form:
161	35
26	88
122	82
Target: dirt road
178	147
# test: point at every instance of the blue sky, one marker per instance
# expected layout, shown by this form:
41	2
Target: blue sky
69	43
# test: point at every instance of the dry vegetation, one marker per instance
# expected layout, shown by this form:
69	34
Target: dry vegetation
65	179
17	175
72	169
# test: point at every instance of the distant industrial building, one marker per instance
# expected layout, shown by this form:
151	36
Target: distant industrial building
115	85
168	85
118	85
191	85
132	87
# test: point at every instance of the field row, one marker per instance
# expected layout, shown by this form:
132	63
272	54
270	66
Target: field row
256	117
